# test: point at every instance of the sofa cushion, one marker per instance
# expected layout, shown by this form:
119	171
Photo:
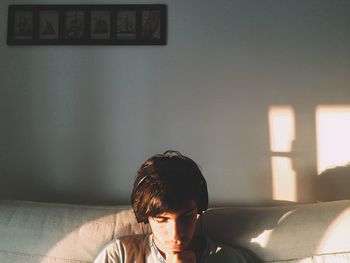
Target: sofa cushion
60	233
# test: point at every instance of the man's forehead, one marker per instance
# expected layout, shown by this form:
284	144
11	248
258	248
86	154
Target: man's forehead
189	207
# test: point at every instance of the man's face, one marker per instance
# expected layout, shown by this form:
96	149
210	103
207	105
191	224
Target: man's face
173	230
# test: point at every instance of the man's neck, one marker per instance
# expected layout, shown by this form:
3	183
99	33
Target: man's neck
197	245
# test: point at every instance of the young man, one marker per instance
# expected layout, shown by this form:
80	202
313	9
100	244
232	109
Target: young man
170	193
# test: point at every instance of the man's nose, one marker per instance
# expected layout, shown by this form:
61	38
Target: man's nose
175	230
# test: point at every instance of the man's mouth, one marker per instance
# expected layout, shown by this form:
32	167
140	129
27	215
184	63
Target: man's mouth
176	246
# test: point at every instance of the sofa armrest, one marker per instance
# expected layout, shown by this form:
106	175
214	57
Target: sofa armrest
285	232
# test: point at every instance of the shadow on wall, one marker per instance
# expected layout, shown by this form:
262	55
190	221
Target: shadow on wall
333	184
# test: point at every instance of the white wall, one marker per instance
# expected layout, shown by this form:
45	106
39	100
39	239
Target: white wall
77	121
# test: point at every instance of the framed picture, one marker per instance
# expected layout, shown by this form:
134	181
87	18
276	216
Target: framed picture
74	25
100	22
49	25
87	24
126	25
22	25
151	24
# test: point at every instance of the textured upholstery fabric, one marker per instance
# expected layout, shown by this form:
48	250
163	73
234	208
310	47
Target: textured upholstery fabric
59	233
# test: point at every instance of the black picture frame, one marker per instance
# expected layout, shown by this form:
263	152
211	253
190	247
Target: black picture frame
134	24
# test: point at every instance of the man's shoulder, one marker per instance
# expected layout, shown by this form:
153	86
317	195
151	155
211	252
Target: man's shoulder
133	240
131	247
224	253
137	237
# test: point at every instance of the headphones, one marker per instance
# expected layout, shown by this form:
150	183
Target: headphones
153	166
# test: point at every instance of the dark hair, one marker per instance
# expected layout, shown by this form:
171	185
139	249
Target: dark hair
166	182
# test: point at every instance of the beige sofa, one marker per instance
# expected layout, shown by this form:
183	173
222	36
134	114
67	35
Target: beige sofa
61	233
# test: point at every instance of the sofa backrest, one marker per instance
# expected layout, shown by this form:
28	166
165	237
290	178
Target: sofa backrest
59	233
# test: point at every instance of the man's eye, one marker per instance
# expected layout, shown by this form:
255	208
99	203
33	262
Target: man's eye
160	219
187	217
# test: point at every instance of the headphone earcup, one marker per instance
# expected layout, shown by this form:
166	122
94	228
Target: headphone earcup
203	196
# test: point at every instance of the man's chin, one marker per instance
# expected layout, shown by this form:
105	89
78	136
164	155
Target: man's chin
176	250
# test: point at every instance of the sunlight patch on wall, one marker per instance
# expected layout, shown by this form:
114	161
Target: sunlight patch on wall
282	128
333	136
282	135
283	179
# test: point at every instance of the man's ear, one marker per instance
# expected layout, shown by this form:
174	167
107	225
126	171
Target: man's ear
199	227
